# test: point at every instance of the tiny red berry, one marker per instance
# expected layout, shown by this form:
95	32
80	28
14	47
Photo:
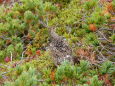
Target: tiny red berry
7	59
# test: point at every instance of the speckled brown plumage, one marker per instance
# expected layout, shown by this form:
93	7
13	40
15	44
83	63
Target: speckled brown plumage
59	48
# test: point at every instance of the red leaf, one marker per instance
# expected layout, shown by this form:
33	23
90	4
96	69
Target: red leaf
92	27
106	80
38	52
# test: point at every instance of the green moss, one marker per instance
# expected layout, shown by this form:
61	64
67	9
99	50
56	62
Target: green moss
20	25
90	4
91	39
41	38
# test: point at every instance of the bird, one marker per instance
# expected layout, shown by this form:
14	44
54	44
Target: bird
59	48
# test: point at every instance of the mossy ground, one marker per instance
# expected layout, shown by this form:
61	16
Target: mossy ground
87	25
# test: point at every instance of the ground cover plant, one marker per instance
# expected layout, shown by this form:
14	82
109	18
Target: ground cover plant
88	26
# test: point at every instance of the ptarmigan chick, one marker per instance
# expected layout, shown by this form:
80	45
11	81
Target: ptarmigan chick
59	47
